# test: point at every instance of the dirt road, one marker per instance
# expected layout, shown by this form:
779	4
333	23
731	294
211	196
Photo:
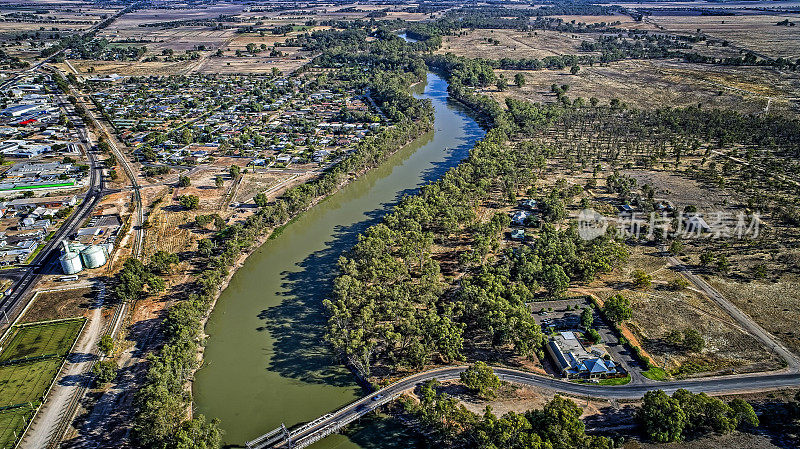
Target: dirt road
75	375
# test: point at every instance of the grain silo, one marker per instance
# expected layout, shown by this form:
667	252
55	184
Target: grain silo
94	256
70	261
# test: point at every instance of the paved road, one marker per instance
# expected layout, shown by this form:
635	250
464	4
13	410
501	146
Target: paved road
711	385
12	305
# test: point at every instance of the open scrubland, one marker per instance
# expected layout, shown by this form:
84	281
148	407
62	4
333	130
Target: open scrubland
657	83
755	32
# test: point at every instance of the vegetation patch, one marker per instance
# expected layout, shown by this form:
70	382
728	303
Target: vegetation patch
29	363
41	340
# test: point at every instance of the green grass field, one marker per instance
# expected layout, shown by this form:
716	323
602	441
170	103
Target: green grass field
37	340
12	423
31	357
28	381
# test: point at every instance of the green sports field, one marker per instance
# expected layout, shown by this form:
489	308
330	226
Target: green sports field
36	340
26	382
30	358
12	423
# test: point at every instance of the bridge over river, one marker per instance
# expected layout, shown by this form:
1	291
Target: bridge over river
323	426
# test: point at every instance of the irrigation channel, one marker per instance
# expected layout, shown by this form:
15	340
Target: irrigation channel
265	360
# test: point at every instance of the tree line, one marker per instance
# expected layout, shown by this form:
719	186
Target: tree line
162	402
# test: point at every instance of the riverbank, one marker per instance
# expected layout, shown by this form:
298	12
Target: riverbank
267	328
274	232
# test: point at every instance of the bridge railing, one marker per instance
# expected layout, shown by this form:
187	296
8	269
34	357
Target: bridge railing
268	438
304	441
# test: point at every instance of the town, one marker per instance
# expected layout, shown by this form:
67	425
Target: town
382	224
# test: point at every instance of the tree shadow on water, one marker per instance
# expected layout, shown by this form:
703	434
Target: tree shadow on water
382	432
298	323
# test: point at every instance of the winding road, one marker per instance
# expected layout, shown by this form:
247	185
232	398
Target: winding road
742	383
333	422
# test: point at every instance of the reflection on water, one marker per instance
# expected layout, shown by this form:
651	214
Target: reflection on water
265	360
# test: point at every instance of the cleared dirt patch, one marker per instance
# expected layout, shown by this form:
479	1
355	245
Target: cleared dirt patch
60	304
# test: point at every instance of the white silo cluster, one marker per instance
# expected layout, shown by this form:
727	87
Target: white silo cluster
76	256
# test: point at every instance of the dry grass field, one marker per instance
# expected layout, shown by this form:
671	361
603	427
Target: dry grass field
250	64
773	305
168	230
512	44
657	311
60	304
658	83
259	182
752	32
625	21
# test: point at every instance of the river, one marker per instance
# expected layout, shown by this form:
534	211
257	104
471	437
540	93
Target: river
265	361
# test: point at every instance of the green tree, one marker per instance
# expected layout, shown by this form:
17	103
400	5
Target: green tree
481	379
190	202
574	69
162	261
134	280
519	79
197	433
106	344
587	318
704	413
677	284
554	280
746	417
592	336
617	308
202	221
675	247
692	340
661	417
706	258
235	171
261	200
104	371
559	423
723	265
501	84
641	279
184	181
218	181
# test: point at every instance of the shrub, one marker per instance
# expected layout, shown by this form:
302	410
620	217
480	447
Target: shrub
105	371
190	202
481	379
